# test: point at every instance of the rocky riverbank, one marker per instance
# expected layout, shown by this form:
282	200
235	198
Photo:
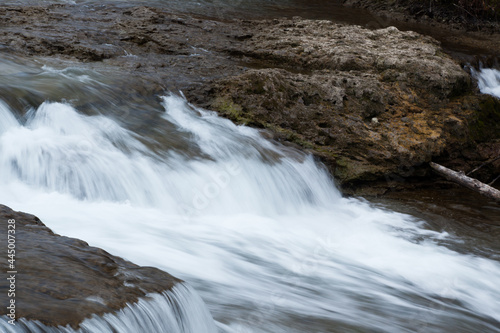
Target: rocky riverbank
460	15
62	281
461	29
373	105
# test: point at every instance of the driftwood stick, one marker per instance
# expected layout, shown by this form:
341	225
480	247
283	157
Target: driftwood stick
470	183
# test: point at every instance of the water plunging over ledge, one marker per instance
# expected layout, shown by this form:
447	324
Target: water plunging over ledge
178	311
258	229
488	80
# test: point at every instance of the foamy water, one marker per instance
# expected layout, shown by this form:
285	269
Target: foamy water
488	81
180	310
259	230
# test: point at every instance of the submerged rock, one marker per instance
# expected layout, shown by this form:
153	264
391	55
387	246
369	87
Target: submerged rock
61	281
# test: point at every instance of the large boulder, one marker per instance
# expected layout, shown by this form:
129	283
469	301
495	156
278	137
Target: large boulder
372	104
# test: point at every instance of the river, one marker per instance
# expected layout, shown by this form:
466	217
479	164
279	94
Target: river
259	230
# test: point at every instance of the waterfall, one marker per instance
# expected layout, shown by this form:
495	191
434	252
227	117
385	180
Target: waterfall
488	80
179	310
256	228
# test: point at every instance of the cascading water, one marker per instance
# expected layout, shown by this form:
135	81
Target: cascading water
178	311
488	80
258	229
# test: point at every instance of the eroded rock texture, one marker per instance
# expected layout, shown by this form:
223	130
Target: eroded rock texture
374	105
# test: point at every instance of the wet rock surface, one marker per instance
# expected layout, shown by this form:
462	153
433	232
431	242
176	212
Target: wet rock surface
458	28
175	51
62	280
373	105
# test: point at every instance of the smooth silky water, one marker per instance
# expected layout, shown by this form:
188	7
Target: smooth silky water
257	229
488	80
180	310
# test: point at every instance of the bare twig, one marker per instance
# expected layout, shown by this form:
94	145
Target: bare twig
494	180
465	10
482	165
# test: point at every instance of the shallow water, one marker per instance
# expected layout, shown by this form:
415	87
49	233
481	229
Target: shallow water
258	229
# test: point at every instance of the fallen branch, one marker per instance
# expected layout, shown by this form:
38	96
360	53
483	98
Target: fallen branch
470	183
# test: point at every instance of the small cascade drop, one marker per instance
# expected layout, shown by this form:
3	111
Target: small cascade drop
179	310
488	80
258	229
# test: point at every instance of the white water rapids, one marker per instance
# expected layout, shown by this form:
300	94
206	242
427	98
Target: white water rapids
488	80
177	311
257	229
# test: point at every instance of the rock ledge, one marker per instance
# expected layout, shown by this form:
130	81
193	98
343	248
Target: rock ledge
61	281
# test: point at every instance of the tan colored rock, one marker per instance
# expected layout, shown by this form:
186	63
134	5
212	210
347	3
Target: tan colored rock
329	81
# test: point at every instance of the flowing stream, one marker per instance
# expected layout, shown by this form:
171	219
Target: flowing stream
180	310
488	80
259	230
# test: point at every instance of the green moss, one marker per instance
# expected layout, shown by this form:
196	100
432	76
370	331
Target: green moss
227	106
345	170
351	171
291	136
304	143
229	109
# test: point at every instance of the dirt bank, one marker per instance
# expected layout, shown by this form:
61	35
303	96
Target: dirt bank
464	15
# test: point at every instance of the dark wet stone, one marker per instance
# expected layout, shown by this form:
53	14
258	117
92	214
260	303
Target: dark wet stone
62	280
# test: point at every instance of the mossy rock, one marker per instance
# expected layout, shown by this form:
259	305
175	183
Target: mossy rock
486	125
229	109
